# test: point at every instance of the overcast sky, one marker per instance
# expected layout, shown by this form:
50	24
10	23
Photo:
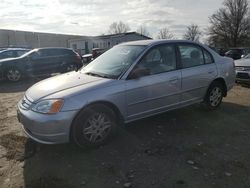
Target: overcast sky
93	17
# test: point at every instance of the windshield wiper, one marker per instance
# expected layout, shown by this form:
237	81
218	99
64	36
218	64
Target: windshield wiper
97	75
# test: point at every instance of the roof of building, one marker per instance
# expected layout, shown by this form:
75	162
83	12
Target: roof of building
42	33
157	41
109	36
122	34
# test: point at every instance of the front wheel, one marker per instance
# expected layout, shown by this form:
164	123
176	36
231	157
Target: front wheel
214	96
13	74
93	126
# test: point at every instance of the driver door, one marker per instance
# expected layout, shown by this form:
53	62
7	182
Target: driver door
160	89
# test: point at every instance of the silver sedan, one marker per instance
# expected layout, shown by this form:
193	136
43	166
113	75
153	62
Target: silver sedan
128	82
243	69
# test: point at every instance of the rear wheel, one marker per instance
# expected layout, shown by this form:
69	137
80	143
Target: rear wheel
93	126
13	74
214	96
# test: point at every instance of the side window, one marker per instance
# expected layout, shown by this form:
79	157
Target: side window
19	53
191	55
34	55
208	57
43	53
67	52
160	59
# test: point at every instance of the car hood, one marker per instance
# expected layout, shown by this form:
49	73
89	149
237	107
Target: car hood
62	83
242	63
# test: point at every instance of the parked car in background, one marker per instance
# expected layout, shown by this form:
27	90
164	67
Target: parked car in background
87	58
237	53
37	62
220	51
97	51
242	67
130	81
15	52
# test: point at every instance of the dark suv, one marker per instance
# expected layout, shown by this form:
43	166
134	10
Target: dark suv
237	53
42	61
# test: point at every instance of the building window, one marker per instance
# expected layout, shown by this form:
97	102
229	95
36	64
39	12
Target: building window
74	46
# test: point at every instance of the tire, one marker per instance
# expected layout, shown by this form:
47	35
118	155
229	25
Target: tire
214	96
86	131
13	74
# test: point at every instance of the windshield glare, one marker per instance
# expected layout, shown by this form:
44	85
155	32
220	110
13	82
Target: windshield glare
114	62
247	56
29	52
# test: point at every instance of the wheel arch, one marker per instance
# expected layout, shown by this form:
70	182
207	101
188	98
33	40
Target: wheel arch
222	82
7	68
110	105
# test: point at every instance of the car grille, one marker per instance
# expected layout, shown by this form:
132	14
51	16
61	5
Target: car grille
26	103
243	75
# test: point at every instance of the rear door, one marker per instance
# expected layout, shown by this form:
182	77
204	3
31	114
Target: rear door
198	71
158	91
41	62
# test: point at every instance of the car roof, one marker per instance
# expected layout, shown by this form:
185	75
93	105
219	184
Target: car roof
154	42
6	50
15	49
53	48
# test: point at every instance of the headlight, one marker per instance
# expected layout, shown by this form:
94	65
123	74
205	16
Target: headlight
52	106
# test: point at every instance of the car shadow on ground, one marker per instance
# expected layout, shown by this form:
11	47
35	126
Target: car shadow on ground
245	85
190	147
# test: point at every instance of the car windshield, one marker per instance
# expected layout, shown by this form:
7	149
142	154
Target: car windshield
247	56
114	62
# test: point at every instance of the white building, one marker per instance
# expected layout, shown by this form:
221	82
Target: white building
14	38
84	45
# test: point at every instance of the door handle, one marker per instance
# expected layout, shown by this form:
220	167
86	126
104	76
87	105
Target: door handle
210	72
173	80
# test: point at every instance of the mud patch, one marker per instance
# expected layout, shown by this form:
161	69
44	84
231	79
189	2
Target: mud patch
17	148
47	182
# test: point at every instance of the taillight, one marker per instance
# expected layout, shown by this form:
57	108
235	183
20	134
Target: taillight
78	57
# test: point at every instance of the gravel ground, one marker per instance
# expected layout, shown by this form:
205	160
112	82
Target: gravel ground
186	148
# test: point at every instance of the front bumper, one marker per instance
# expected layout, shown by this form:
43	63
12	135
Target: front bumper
243	76
46	129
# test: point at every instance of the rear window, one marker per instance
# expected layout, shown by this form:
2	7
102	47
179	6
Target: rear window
68	52
56	52
208	57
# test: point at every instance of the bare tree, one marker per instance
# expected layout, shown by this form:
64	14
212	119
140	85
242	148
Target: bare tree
143	30
118	27
230	25
164	33
193	33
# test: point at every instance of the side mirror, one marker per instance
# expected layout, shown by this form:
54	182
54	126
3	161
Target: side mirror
139	72
242	56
